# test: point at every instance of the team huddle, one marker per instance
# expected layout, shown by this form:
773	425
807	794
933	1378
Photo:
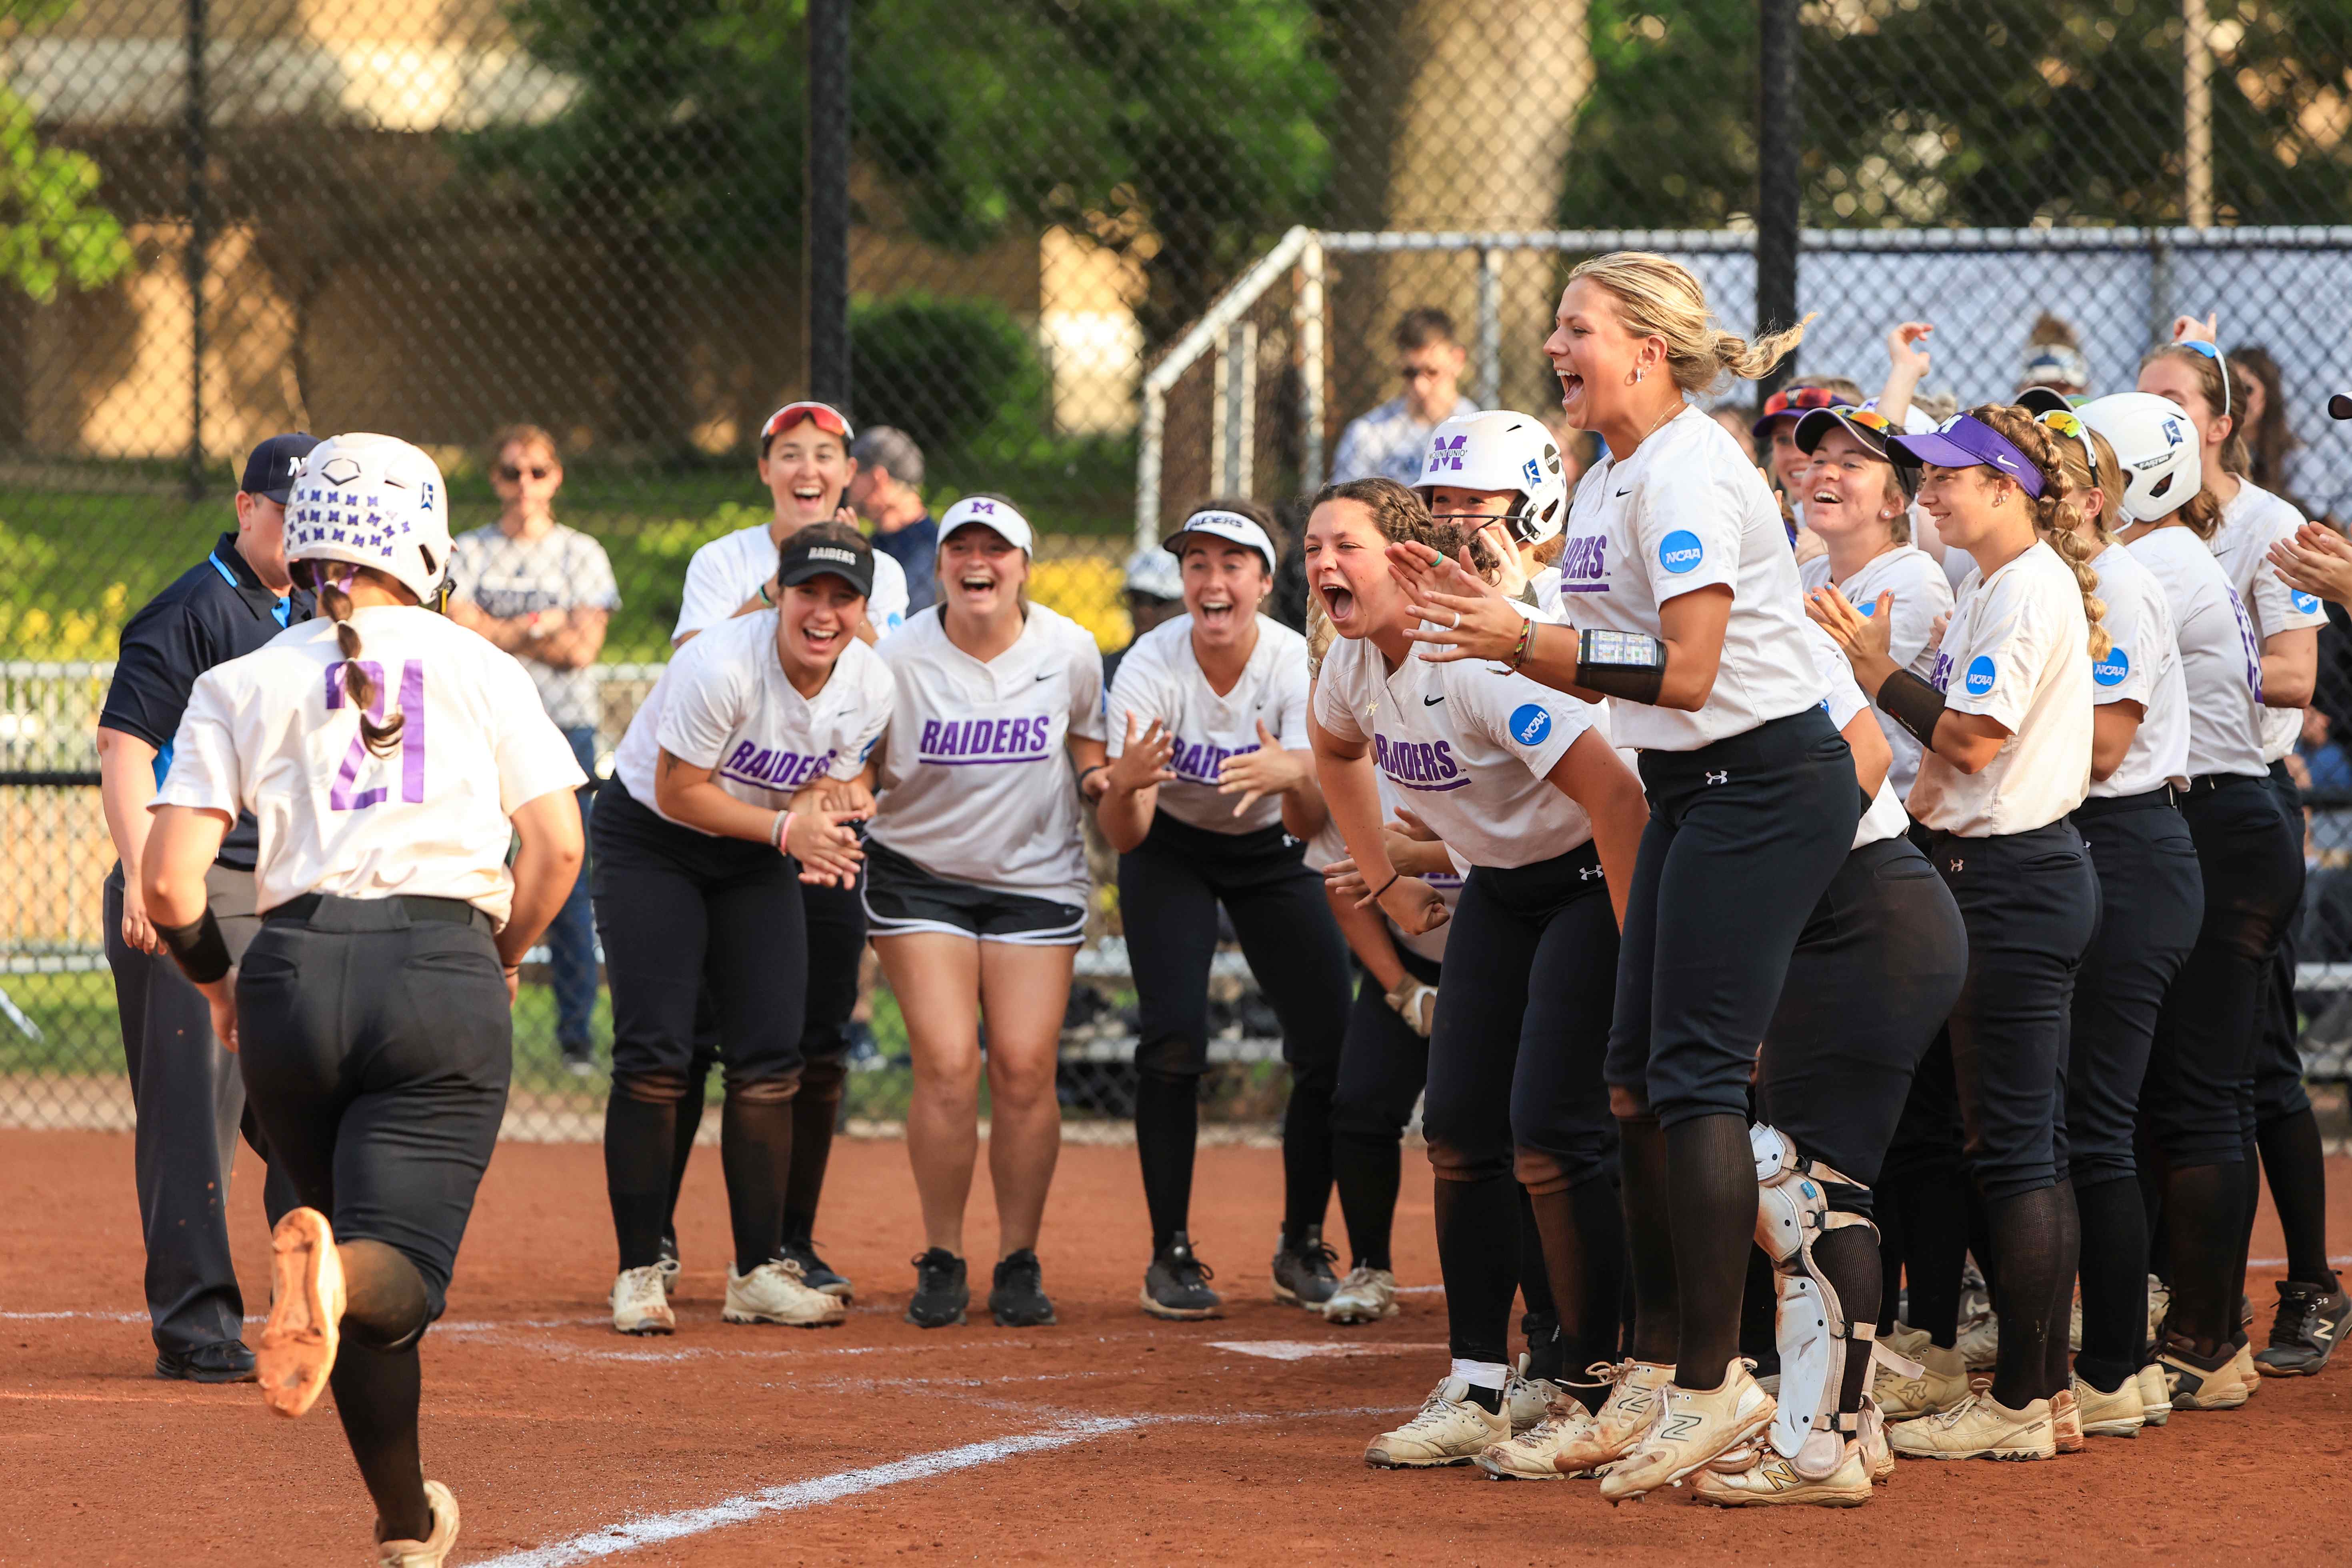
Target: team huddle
1761	940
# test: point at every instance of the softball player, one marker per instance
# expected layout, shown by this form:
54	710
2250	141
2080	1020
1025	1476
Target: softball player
2198	1095
976	891
2006	756
712	825
1524	785
1498	474
1209	799
1683	595
390	757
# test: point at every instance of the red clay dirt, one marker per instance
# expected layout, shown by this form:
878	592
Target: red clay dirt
551	1428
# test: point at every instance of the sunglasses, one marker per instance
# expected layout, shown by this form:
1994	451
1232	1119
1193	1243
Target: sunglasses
1799	399
2074	429
1870	419
2199	345
1417	371
824	415
509	473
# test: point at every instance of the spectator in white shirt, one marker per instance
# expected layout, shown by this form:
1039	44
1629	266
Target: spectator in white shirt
1391	441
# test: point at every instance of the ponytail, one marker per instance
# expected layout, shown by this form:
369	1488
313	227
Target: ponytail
2202	514
1658	297
382	740
2055	517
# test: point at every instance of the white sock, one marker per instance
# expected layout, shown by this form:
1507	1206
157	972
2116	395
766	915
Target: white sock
1482	1373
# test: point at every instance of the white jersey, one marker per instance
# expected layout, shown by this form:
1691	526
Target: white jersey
724	702
731	569
2015	652
1544	588
2254	521
976	787
1161	679
273	733
1921	594
1467	746
1330	844
1885	818
1689	510
2220	660
2143	666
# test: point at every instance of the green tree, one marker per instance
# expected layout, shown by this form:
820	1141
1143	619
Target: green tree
52	230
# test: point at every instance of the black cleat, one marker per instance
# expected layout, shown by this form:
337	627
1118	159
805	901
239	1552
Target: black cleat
2303	1335
941	1290
815	1272
1018	1300
229	1362
1176	1285
1302	1270
671	1268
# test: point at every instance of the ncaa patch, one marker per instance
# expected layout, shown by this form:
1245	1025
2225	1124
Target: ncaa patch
2111	670
2306	603
1681	551
1531	722
1981	675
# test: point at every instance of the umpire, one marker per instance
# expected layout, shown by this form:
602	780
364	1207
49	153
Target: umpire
185	1090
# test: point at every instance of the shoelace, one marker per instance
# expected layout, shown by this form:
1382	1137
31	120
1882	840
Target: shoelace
1435	1408
1322	1253
930	1276
1189	1270
2292	1326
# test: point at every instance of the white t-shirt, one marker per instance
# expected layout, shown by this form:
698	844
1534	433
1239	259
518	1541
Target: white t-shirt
1467	746
1885	819
1161	679
273	733
2254	521
2220	660
724	702
2016	651
1921	594
977	788
731	568
1330	844
1689	510
2143	666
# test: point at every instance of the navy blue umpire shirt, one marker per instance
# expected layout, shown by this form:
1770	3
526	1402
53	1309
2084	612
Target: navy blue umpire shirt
216	611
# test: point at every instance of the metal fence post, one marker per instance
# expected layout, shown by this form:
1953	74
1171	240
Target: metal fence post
1779	136
827	243
1490	327
195	261
1310	312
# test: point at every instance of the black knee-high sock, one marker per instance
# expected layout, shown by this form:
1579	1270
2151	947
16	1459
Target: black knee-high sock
2029	1237
2201	1207
1711	1190
1759	1303
1541	1325
1478	1252
1584	1236
1892	1204
1649	1238
1939	1243
2056	1353
755	1151
1982	1245
2297	1169
376	1397
1847	1257
689	1124
815	1110
1306	1155
1368	1173
2114	1282
639	1147
1167	1132
2250	1196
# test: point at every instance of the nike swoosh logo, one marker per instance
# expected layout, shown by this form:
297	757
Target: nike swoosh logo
1626	491
1047	675
1431	702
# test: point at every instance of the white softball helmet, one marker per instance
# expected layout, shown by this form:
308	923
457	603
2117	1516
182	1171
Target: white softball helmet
1500	450
1153	570
376	502
2156	446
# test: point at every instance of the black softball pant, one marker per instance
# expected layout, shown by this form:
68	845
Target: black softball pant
376	1048
2278	1059
1168	890
1382	1067
1514	1085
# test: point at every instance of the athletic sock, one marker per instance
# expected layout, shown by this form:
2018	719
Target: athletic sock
1759	1303
1891	1205
755	1151
2055	1348
2113	1267
376	1397
639	1146
1583	1241
2028	1236
1649	1237
815	1110
2297	1168
2201	1205
1535	1283
1478	1253
1847	1258
1368	1173
1711	1188
1166	1129
1937	1247
689	1124
1306	1155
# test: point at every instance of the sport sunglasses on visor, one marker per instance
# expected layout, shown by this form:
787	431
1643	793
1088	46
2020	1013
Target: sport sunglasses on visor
1868	419
2074	429
824	415
1798	400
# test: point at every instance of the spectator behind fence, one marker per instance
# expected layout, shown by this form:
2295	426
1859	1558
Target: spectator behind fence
1389	442
1154	593
888	493
2269	440
544	593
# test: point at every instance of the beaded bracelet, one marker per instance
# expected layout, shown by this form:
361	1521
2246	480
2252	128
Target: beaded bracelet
1526	643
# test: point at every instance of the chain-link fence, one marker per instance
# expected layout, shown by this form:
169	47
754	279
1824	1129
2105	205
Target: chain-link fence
224	218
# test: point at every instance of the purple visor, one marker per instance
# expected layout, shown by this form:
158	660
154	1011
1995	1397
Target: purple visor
1964	441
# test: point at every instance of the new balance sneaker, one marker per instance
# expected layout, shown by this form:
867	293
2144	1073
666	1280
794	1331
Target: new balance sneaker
1979	1342
2303	1335
2065	1422
1623	1416
1527	1400
434	1550
1452	1428
1944	1383
306	1313
1017	1298
1979	1427
2117	1414
641	1302
672	1270
1773	1481
943	1290
1176	1286
1302	1270
2194	1381
2250	1375
815	1272
1693	1426
2155	1395
1533	1454
774	1292
1365	1296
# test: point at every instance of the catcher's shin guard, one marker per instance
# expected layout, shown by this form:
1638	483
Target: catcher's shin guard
1792	1212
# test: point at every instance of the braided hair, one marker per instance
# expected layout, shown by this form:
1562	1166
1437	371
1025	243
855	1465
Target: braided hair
2055	517
381	740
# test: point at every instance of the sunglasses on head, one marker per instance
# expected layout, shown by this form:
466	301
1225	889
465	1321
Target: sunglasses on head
1870	419
1798	400
2074	429
510	473
824	415
2199	345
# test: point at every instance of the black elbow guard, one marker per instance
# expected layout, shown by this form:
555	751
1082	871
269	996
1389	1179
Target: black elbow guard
1631	665
198	947
1914	704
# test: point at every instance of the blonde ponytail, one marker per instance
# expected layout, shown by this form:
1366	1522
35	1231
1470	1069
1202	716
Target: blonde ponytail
382	740
1657	297
2054	517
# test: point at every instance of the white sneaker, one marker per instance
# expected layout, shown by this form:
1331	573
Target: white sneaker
2075	1328
1979	1342
1944	1383
1451	1429
2159	1302
1618	1425
1774	1480
1979	1427
1694	1427
2154	1395
1365	1296
774	1292
1533	1455
1870	1436
433	1551
2117	1414
1527	1400
641	1302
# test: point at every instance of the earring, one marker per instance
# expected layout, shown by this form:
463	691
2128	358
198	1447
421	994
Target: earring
1638	373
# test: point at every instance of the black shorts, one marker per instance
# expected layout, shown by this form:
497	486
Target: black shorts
902	899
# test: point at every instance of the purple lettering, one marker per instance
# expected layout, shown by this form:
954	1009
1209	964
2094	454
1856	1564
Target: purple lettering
929	743
743	751
1445	768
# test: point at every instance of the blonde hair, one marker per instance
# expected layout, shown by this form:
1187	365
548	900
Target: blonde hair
1320	634
381	740
2075	469
2054	517
1657	297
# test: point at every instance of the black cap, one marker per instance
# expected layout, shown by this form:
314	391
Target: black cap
269	471
854	564
2339	407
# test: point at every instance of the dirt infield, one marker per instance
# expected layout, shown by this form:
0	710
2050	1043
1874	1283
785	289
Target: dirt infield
1110	1438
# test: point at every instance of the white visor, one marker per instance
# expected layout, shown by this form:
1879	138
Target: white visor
998	517
1230	526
